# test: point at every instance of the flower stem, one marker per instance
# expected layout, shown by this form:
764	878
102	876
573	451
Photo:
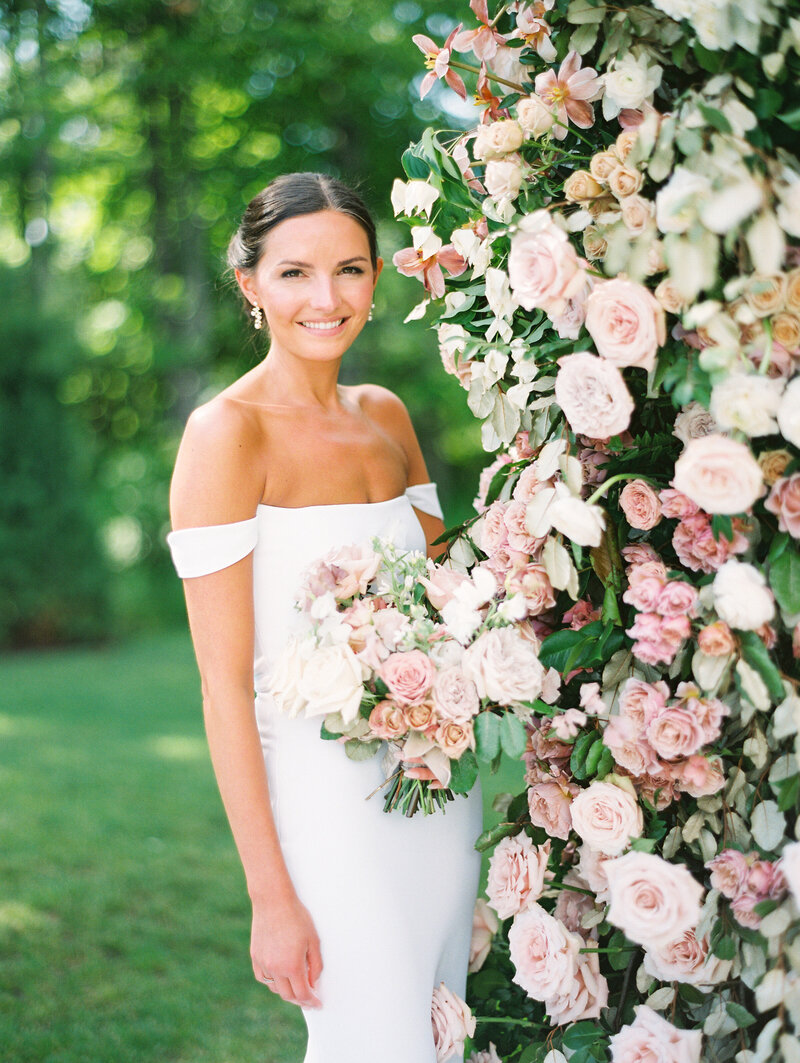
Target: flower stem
505	1022
498	16
495	77
601	490
765	361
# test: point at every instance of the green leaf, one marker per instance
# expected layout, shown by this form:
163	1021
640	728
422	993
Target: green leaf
716	119
765	907
487	735
756	654
491	837
777	547
557	649
580	751
788	791
510	100
791	118
691	994
580	1034
725	948
463	772
513	737
329	736
416	168
605	764
784	578
722	527
739	1014
619	958
357	750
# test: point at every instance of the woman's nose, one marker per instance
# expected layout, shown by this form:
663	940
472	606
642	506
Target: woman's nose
324	295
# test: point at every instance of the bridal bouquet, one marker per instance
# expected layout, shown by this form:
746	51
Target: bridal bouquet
415	659
612	253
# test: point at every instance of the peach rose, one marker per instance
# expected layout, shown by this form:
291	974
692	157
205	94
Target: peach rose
606	817
773	465
595	244
784	502
650	1038
544	954
675	732
585	998
593	395
670	296
624	143
484	926
626	323
454	738
504	666
517	872
497	139
452	1023
603	164
699	776
532	582
388	720
637	217
640	505
581	186
765	295
653	901
793	291
455	697
716	640
624	181
543	268
421	716
409	676
719	474
786	331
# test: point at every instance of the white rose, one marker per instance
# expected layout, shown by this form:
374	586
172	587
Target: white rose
719	474
503	177
693	422
628	83
497	139
712	24
504	666
652	900
748	402
676	9
741	596
534	116
606	817
789	412
332	681
790	866
286	675
677	202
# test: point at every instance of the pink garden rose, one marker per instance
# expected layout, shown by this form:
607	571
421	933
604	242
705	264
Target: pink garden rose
676	505
639	553
544	954
517	873
454	738
586	996
729	872
591	868
699	549
641	701
528	484
504	666
455	697
543	268
651	1039
686	960
653	901
581	614
678	598
494	533
593	395
675	732
531	581
640	504
549	807
452	1023
784	502
719	474
606	817
699	776
408	675
488	1055
441	584
628	746
658	638
484	926
572	906
519	538
626	323
716	640
644	587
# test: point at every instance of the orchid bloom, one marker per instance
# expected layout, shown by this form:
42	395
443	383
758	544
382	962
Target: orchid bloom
532	28
437	61
483	42
568	92
427	257
485	97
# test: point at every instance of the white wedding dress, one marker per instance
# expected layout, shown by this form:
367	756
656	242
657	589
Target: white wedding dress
391	898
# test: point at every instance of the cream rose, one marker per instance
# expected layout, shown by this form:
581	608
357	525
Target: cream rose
623	145
741	596
792	297
543	268
719	474
637	216
624	181
452	1023
786	331
603	165
640	504
593	395
670	297
517	872
765	295
789	412
652	900
678	200
484	927
748	402
498	139
626	323
455	696
504	666
630	81
503	177
332	681
544	953
581	186
534	116
594	244
606	817
693	422
650	1038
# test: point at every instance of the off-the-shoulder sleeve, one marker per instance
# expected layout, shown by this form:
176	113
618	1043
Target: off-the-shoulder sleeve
425	498
198	551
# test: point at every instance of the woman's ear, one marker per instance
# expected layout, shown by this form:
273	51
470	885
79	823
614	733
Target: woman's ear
245	282
378	269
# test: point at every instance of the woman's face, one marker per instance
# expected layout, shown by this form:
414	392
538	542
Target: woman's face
314	282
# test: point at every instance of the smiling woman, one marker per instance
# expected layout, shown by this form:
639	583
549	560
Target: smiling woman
281	467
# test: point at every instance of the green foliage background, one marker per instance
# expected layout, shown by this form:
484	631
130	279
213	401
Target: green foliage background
132	135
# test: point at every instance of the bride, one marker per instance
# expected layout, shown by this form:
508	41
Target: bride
358	915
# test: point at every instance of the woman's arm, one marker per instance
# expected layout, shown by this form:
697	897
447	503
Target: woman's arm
213	483
390	412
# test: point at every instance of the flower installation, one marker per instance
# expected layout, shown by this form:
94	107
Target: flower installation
621	230
404	657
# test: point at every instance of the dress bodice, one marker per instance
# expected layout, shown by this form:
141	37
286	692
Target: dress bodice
284	542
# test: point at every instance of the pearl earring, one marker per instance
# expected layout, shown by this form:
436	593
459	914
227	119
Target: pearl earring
369	315
257	316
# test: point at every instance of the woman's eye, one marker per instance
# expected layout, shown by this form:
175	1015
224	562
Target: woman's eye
291	273
352	269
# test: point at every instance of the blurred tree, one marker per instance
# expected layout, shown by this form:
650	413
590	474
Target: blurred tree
133	134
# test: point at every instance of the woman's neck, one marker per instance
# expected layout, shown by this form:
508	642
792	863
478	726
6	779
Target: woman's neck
292	381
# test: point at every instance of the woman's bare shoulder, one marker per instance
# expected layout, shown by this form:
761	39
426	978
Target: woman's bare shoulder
218	473
382	405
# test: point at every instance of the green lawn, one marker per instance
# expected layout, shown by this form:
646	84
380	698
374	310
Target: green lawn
123	915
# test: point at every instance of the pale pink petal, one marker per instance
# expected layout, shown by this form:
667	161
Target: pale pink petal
434	280
480	9
456	84
545	82
408	262
425	44
485	45
581	113
449	42
570	66
452	261
463	42
427	84
583	88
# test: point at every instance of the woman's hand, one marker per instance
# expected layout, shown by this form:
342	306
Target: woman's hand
284	948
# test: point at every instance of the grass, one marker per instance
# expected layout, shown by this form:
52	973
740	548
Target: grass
124	922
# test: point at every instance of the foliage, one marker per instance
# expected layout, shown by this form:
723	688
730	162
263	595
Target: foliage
616	244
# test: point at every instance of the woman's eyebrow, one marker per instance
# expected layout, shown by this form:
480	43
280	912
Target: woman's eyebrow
307	265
